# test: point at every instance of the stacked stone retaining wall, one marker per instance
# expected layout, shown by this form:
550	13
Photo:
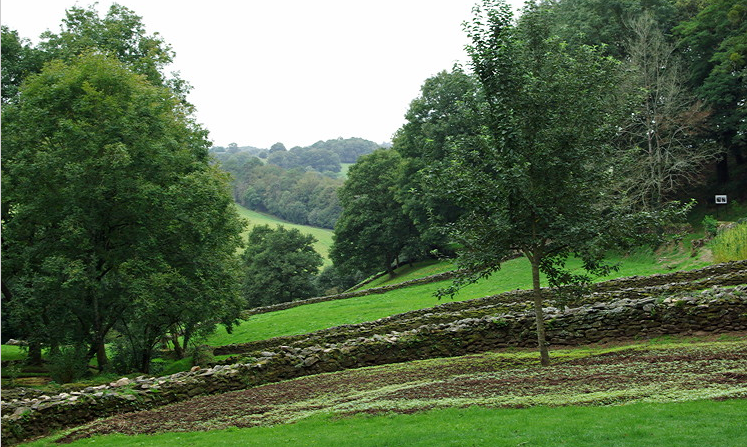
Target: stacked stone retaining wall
714	310
610	285
728	274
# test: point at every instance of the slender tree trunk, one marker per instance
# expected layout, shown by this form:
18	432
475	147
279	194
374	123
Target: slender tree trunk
101	354
539	314
177	347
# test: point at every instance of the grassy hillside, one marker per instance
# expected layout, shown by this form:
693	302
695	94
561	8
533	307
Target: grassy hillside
515	274
322	235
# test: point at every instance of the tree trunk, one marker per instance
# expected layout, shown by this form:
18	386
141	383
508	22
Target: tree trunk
101	354
178	351
722	170
35	354
145	360
539	314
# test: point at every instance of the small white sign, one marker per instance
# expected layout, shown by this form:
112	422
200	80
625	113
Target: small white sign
720	200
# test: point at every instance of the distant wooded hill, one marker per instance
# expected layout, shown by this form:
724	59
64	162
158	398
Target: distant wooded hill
298	185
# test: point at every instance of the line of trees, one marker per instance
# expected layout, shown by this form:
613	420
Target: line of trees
575	130
298	185
298	196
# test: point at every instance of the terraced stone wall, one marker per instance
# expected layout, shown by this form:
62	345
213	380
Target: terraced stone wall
713	311
728	274
614	284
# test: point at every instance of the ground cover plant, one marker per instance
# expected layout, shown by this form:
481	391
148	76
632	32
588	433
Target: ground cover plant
656	373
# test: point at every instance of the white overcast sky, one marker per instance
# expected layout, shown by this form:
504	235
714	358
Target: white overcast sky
294	71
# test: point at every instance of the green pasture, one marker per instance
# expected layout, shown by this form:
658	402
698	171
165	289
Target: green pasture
514	274
695	423
9	352
322	235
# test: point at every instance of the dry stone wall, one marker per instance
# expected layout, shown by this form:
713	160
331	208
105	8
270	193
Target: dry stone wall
635	287
714	310
614	284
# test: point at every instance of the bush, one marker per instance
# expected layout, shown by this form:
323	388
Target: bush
68	364
730	245
710	226
203	356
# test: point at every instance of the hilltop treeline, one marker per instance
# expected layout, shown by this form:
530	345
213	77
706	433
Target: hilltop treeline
298	185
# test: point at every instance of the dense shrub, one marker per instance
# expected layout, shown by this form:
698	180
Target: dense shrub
68	364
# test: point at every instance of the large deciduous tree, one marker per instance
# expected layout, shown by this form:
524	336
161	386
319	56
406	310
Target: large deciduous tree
373	229
714	43
112	214
444	111
535	181
279	265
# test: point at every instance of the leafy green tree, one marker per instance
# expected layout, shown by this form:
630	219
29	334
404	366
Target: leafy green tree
278	147
19	60
121	34
534	182
348	149
280	265
373	229
113	216
444	112
605	22
715	45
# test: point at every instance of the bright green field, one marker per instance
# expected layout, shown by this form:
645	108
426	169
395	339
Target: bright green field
695	423
514	274
322	235
12	353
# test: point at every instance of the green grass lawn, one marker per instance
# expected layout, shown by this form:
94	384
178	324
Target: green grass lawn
9	352
514	274
322	235
694	423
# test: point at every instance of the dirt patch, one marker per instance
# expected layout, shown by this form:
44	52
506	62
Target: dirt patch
714	370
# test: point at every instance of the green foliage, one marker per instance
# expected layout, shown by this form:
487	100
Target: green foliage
730	244
373	230
19	60
305	198
120	34
331	281
68	363
279	266
606	22
716	47
323	236
444	111
202	356
83	172
347	149
710	225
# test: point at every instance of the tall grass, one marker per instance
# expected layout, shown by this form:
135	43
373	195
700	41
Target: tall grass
730	245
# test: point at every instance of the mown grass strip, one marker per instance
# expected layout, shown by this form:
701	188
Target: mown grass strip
694	423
